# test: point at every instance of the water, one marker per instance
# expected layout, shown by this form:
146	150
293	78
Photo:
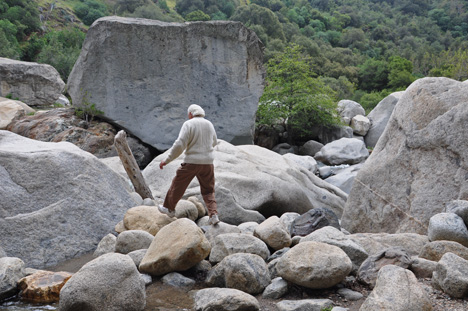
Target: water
15	304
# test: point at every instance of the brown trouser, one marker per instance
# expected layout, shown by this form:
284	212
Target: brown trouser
184	175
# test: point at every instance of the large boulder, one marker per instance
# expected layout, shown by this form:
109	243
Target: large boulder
344	178
379	117
349	109
417	165
12	270
375	243
149	72
57	201
176	247
34	84
253	180
110	282
451	275
448	227
397	289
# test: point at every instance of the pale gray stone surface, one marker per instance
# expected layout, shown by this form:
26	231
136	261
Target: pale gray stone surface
459	207
333	236
12	269
2	252
177	280
137	256
374	243
308	162
224	299
343	151
246	272
451	275
314	265
288	218
435	250
349	294
344	178
274	233
448	227
397	289
248	227
232	243
113	276
417	165
304	304
251	179
34	84
132	240
379	117
187	209
360	125
310	148
348	109
106	245
277	289
222	228
423	268
57	201
156	70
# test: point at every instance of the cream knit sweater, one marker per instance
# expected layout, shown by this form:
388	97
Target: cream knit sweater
198	138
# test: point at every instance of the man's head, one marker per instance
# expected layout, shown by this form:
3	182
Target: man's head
196	111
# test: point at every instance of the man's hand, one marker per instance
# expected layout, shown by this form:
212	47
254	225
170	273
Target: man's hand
162	164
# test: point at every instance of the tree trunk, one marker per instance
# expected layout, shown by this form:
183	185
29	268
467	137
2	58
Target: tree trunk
131	166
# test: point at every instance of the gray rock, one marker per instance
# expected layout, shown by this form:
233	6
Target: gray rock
314	265
11	110
278	254
34	84
12	269
277	289
379	117
344	178
327	135
113	276
218	64
62	188
288	218
451	275
459	207
349	109
232	243
397	289
251	180
313	220
284	148
375	243
137	256
178	280
435	250
339	309
248	227
398	179
310	148
221	228
343	151
274	233
187	209
224	299
422	268
350	295
2	253
245	272
360	125
307	162
333	236
132	240
272	268
63	101
368	271
304	304
148	202
146	278
107	245
449	227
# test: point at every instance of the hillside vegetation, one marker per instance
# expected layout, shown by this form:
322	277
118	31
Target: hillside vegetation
355	49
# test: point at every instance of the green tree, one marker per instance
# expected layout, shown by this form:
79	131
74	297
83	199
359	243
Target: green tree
293	97
197	16
9	46
400	73
373	75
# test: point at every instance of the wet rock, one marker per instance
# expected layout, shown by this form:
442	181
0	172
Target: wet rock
370	268
110	282
232	243
11	271
177	247
245	272
314	265
224	299
397	289
43	286
106	245
274	233
132	240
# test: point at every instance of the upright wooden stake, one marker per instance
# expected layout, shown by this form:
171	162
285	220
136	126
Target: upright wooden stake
131	166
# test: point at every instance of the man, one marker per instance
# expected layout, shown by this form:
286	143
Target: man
198	138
